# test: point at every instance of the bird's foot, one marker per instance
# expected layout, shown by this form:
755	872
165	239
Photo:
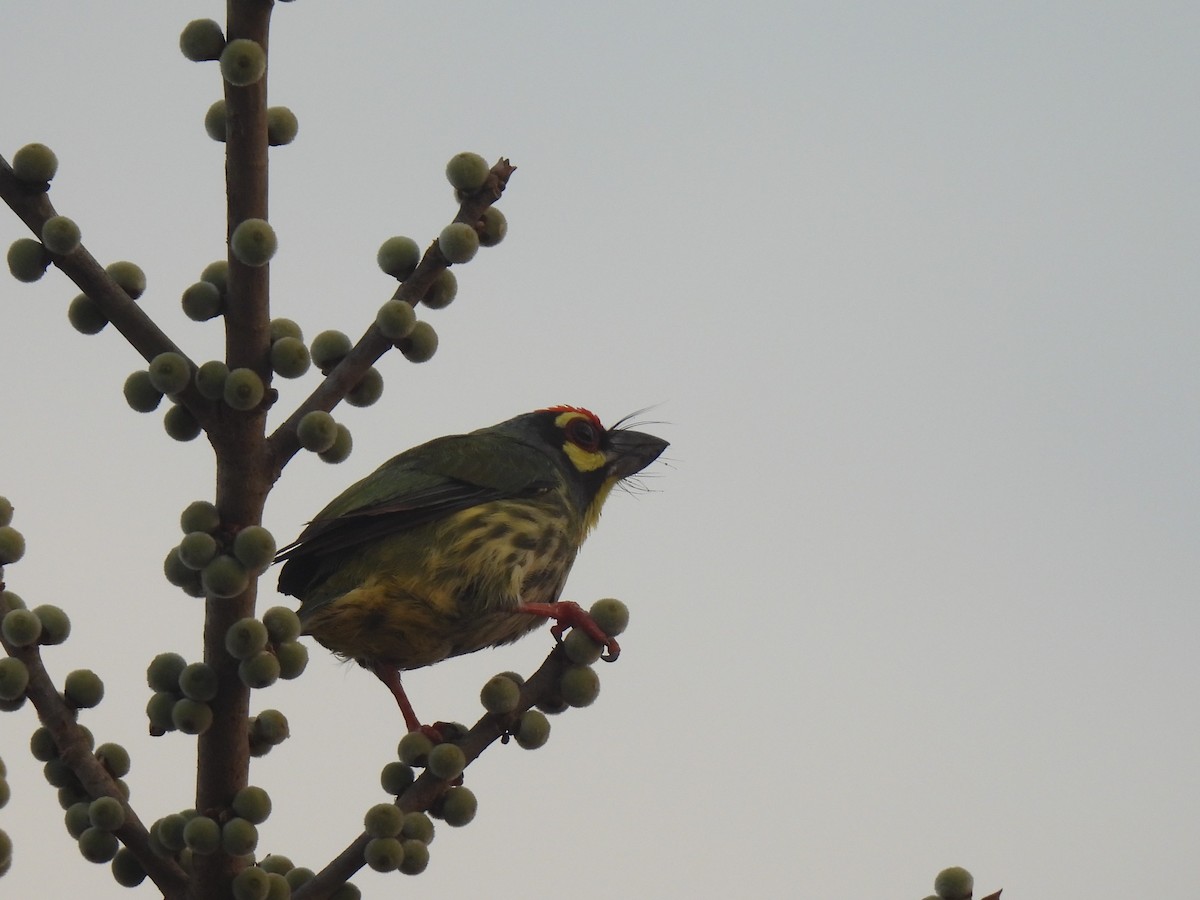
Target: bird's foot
568	614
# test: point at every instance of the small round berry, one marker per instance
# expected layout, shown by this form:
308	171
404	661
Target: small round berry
169	373
414	748
12	545
533	730
252	883
198	681
368	390
447	761
552	706
282	126
580	648
85	315
201	301
346	891
611	615
271	727
42	744
467	171
282	327
442	290
83	689
395	319
60	234
317	431
21	627
180	424
239	837
253	242
140	393
129	277
35	164
279	888
114	758
342	445
202	835
289	357
384	854
14	678
10	601
954	883
421	343
6	511
298	876
398	256
199	515
417	826
127	869
59	774
27	260
254	547
97	845
216	121
459	242
210	379
201	40
396	777
246	638
259	671
458	806
253	804
282	624
197	550
106	813
188	580
416	857
580	685
244	390
500	695
293	659
169	830
76	819
217	272
276	864
494	227
243	62
329	348
56	625
159	709
383	820
191	716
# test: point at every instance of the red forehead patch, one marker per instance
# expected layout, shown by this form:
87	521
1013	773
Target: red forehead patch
575	409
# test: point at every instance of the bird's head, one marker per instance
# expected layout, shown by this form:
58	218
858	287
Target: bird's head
593	458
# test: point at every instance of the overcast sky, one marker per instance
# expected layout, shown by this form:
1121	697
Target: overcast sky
912	290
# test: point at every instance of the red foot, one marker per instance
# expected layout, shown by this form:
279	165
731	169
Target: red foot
568	614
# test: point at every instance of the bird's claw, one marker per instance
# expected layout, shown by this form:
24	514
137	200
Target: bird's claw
568	614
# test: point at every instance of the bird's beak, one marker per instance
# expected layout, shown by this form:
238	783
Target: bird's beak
631	451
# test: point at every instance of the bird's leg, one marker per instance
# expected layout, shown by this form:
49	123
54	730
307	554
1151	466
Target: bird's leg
390	676
568	614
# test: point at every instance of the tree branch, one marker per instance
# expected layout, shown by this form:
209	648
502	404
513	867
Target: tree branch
61	720
283	443
542	685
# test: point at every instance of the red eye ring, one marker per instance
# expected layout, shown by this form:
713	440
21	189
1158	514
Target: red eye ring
584	434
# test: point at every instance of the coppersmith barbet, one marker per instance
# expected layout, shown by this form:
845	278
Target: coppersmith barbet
460	543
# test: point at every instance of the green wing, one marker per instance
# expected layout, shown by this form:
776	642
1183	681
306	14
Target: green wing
420	485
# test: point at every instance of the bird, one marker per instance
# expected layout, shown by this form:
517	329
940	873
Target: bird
460	543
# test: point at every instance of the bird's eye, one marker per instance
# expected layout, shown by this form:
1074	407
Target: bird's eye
583	434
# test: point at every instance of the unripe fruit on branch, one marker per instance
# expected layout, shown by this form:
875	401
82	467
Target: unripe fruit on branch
467	171
243	62
202	40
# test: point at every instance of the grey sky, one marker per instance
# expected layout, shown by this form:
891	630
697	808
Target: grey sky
914	289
